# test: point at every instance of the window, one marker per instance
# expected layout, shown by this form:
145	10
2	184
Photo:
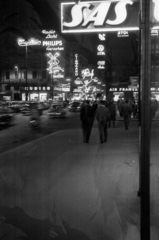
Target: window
43	74
7	75
34	74
16	88
16	73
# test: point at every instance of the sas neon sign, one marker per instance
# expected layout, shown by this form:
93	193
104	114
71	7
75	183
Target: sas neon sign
99	16
103	16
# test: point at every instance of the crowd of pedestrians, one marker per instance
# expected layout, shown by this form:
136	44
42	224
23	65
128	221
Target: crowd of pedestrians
105	113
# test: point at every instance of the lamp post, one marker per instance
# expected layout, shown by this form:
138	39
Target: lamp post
24	43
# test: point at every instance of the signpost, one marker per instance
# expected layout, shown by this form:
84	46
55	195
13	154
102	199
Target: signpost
24	43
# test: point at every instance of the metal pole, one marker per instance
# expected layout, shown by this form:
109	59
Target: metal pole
26	68
52	85
145	119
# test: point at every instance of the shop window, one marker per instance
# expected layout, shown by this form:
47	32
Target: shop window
7	88
24	74
43	74
34	74
16	88
16	73
7	75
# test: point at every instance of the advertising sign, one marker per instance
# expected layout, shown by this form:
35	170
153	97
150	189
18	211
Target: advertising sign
104	16
100	16
52	42
101	64
100	50
55	66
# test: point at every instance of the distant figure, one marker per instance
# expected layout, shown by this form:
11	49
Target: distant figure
87	117
127	114
134	109
35	115
102	114
112	112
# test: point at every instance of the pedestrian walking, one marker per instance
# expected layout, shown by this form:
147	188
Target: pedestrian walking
87	118
127	114
112	113
102	115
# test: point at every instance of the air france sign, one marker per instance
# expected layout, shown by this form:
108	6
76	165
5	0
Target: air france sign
103	16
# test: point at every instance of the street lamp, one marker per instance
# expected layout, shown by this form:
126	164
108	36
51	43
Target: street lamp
24	43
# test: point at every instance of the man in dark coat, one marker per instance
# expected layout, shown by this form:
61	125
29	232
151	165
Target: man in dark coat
127	114
87	117
102	115
112	111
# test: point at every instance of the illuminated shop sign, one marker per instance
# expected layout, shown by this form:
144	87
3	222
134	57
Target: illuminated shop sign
101	64
52	41
50	34
154	89
103	16
102	36
76	65
99	16
87	73
154	32
30	42
78	82
123	89
123	34
101	50
54	65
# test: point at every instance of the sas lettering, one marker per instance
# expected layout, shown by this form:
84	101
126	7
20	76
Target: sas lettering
85	13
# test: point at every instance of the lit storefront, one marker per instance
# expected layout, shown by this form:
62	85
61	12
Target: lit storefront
36	93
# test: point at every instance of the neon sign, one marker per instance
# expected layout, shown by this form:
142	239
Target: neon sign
102	36
30	42
52	42
97	16
103	16
123	34
54	67
87	73
101	64
101	50
76	64
50	34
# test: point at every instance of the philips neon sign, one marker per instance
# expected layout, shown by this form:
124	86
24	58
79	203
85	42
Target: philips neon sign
52	41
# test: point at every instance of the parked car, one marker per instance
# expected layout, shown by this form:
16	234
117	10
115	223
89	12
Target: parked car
74	107
15	106
57	111
25	110
6	116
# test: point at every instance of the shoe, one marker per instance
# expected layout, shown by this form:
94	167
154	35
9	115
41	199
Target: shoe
87	141
101	141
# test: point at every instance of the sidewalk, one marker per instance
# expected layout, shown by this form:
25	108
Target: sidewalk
85	190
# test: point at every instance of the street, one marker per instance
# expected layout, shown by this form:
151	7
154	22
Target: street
20	131
57	187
